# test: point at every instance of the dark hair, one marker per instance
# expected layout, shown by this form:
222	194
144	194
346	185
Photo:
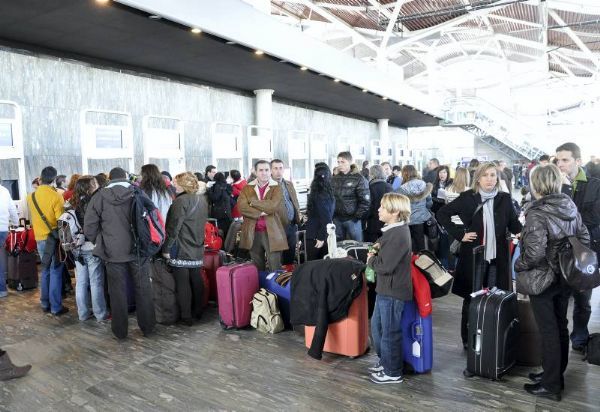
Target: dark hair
260	162
365	163
396	169
235	175
209	168
219	177
48	175
438	169
102	180
60	181
321	183
345	155
276	161
35	181
153	181
570	147
199	176
167	174
473	164
593	169
435	160
82	190
117	173
544	158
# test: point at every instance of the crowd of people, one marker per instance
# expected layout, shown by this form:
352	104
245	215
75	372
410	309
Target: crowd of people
446	210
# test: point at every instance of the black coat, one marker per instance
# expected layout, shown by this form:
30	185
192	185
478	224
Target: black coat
220	198
322	292
378	188
352	197
319	210
587	200
505	219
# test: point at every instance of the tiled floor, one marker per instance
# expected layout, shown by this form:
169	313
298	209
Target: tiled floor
80	367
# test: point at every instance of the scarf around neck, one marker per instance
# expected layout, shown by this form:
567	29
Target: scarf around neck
489	229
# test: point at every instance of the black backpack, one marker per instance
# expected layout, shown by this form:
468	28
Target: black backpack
592	352
147	225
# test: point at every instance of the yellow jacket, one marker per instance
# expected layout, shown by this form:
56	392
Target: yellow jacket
51	205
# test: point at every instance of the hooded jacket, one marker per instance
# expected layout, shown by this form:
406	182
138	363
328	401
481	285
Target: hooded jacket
251	206
185	226
352	196
107	223
419	194
547	222
220	198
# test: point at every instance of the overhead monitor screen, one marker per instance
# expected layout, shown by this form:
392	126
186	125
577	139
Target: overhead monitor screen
109	138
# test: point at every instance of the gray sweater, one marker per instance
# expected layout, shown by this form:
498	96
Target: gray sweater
392	263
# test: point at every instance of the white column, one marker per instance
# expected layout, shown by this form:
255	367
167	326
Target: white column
264	108
384	136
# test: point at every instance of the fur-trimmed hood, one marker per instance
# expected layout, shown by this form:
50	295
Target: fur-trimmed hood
416	189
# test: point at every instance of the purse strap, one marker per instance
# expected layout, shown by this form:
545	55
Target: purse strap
37	207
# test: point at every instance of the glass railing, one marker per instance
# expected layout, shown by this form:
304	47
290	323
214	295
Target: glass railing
493	121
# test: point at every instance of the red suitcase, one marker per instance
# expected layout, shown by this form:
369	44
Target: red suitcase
213	259
236	286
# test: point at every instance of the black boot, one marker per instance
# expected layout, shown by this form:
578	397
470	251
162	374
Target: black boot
10	371
538	390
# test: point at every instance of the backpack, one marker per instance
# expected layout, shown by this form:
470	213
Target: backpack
70	232
592	353
212	240
147	225
265	314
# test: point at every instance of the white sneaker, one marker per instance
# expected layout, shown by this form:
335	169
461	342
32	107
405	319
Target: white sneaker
375	368
381	377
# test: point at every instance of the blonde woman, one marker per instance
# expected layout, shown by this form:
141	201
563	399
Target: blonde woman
487	214
184	246
460	183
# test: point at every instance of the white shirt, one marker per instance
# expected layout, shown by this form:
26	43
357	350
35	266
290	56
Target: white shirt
8	210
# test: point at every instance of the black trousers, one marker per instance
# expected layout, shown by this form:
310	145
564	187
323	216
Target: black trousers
117	273
550	311
417	237
287	256
314	253
190	289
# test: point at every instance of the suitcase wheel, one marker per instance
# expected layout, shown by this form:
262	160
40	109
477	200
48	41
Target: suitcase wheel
20	287
223	325
468	374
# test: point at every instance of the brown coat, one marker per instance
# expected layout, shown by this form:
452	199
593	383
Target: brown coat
273	205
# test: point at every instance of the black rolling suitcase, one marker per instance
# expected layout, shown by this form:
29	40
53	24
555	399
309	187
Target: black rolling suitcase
22	271
355	249
493	327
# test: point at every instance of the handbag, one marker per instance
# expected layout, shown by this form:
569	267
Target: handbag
578	264
456	243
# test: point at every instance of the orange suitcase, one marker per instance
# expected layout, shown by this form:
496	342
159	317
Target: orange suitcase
349	336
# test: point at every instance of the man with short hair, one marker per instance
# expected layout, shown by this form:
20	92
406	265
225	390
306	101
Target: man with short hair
45	207
365	169
292	207
209	173
352	199
585	192
544	160
431	175
387	171
107	224
265	218
397	172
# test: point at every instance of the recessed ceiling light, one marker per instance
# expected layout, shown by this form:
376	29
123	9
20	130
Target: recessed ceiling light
259	52
413	109
102	1
196	30
364	90
336	80
154	17
384	98
400	104
231	42
303	68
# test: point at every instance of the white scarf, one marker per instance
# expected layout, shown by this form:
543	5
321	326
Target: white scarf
489	228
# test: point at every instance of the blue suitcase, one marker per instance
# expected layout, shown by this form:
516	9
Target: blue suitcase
417	337
267	280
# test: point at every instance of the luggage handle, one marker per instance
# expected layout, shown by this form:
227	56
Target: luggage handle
416	332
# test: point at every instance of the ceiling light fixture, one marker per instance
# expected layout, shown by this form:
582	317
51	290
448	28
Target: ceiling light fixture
231	42
102	1
259	52
196	30
336	80
303	68
384	98
364	90
399	104
154	17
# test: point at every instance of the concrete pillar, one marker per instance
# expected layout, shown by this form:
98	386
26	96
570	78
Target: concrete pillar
264	108
384	136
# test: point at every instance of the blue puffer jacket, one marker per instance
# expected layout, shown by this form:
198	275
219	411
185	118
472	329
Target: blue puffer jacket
419	194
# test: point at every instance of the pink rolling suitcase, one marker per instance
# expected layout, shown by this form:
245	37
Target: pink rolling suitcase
236	286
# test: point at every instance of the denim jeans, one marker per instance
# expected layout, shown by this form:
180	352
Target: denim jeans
582	311
348	229
386	330
51	283
3	262
90	274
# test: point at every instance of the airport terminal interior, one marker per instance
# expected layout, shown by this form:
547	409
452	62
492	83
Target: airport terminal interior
401	92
